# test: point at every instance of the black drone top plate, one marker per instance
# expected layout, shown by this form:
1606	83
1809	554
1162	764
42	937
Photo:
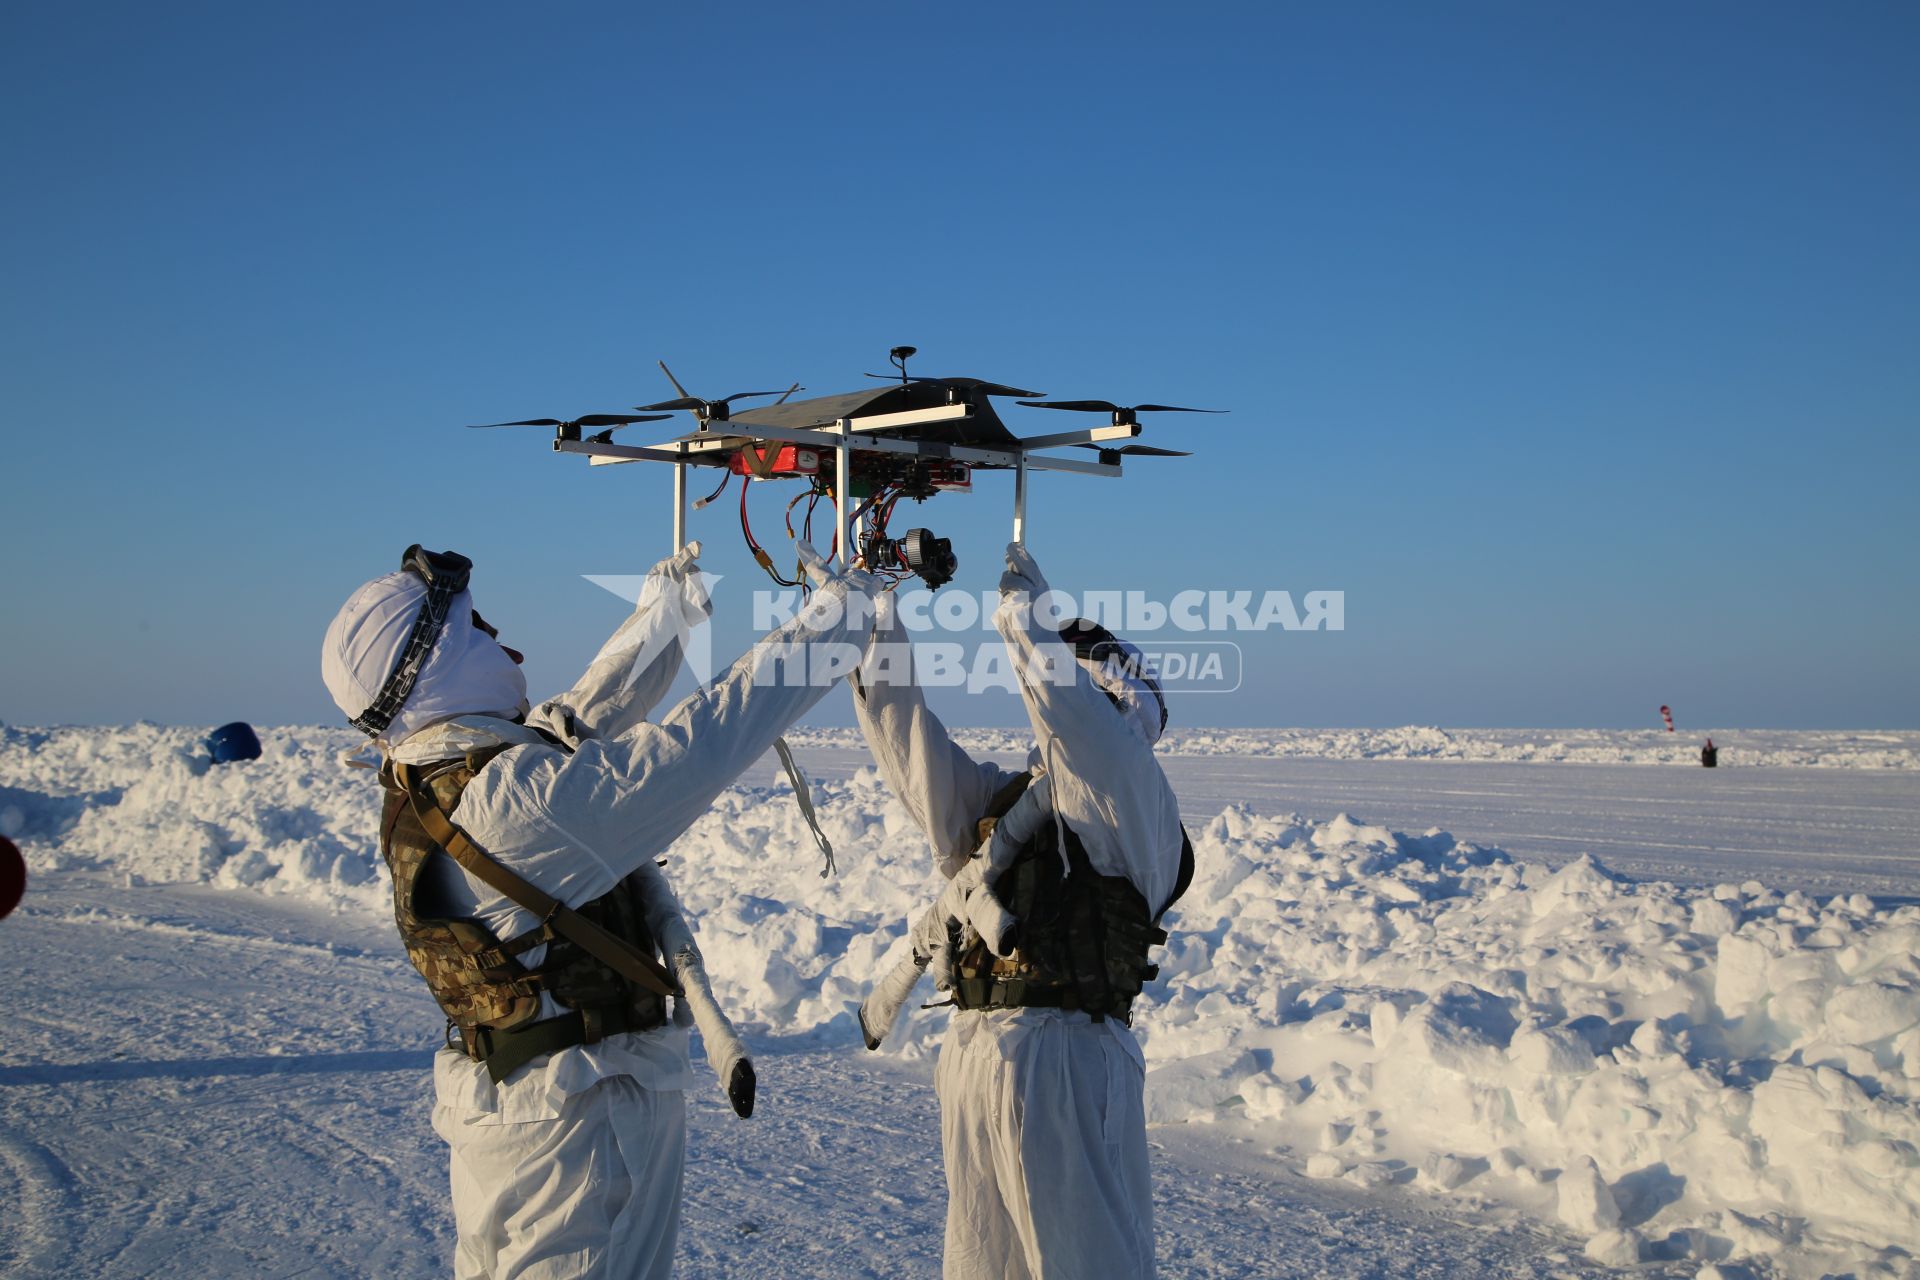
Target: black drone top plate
982	428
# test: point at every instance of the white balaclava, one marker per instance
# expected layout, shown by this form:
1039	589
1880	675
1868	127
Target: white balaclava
467	673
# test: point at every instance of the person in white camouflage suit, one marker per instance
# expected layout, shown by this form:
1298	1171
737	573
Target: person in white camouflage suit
564	1117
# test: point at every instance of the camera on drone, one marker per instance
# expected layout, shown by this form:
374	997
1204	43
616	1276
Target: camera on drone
919	552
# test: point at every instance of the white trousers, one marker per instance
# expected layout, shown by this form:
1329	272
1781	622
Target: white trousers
1043	1124
593	1192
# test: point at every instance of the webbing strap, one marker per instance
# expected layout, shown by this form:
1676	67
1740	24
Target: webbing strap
803	792
1012	993
616	953
761	462
503	1052
427	625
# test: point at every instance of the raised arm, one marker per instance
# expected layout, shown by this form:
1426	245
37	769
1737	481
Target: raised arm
1074	720
638	663
944	788
577	823
1107	785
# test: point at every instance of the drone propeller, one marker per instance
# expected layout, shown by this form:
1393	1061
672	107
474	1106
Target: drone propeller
570	429
1149	451
980	385
1138	451
615	420
1123	415
710	410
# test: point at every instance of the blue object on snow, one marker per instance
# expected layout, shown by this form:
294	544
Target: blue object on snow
231	742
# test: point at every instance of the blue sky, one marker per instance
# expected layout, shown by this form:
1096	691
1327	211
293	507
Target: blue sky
1575	344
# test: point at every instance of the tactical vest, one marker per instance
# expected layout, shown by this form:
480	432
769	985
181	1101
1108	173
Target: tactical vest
1082	937
491	998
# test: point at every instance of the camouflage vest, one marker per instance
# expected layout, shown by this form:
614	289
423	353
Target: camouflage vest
1083	937
489	996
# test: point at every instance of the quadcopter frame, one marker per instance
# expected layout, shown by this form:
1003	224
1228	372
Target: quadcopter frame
715	442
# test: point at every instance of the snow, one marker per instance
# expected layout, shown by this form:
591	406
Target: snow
253	1100
1739	748
1821	830
1417	1028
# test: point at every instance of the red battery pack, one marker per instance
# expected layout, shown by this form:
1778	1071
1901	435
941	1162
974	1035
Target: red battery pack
766	461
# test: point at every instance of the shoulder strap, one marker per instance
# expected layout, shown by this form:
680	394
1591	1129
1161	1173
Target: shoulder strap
620	956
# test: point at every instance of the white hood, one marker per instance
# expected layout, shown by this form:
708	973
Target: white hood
467	673
1138	703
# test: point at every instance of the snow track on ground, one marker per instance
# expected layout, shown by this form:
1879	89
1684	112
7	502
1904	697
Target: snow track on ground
157	1138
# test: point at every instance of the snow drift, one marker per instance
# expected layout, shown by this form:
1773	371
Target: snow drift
1719	1076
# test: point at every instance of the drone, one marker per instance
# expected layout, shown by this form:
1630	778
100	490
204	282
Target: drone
910	436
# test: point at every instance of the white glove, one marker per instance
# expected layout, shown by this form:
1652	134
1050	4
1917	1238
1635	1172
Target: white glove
813	563
1022	573
930	930
680	564
968	900
683	569
822	574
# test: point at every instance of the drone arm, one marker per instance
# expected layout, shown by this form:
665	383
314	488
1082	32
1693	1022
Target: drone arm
1089	435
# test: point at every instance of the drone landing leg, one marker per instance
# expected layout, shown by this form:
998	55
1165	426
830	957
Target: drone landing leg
680	502
842	499
1020	500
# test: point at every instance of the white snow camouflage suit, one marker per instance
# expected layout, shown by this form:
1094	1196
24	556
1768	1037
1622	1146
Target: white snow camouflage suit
572	1166
1041	1110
